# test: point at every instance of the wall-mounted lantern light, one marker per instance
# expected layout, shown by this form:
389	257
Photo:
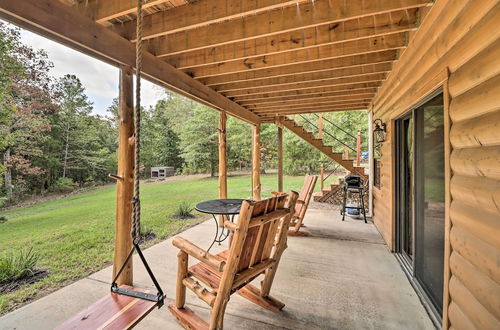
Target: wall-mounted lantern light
379	131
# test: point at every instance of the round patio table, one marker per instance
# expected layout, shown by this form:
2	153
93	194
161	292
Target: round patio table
226	208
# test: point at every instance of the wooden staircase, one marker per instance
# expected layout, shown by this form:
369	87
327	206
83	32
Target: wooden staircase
327	150
329	194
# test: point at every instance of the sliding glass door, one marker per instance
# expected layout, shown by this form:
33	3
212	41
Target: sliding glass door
420	197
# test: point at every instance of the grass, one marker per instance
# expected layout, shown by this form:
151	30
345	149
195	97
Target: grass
17	265
74	235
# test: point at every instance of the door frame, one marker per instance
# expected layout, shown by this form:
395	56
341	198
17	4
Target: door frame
409	268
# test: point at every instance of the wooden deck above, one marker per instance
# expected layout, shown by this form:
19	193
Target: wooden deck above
254	59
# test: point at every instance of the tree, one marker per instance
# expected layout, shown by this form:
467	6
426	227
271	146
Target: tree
25	103
74	107
199	141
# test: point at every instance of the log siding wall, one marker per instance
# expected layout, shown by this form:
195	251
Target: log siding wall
458	47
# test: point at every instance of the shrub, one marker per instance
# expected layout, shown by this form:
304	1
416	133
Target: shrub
15	266
3	219
63	185
184	209
3	201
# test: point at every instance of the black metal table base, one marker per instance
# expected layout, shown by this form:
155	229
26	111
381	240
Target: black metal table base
224	232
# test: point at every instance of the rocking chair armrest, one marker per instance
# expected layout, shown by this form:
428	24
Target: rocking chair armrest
277	193
198	253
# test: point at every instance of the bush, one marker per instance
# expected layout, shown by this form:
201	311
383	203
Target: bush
3	201
3	219
184	209
63	185
15	266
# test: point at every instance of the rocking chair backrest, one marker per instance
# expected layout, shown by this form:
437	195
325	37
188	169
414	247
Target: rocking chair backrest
263	228
305	193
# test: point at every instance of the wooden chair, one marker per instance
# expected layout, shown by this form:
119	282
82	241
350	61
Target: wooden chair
301	205
259	239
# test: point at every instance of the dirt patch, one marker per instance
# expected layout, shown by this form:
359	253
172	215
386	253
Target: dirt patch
147	238
182	217
14	285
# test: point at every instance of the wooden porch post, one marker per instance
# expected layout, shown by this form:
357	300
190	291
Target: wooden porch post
125	180
358	149
222	160
320	135
280	158
256	162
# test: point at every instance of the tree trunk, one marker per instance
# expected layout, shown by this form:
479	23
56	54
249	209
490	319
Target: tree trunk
8	173
66	148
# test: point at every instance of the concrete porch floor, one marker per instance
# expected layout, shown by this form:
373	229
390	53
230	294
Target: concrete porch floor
340	277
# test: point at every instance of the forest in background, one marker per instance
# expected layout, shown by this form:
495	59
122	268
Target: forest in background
51	141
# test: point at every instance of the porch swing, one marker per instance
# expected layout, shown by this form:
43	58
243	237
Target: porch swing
125	306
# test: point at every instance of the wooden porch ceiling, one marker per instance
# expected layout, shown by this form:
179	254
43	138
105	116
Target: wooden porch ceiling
266	57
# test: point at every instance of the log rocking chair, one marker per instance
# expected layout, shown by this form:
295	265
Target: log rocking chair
258	241
301	205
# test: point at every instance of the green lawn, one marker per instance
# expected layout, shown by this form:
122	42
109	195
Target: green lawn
74	235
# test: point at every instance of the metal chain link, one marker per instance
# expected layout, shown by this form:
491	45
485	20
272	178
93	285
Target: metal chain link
136	212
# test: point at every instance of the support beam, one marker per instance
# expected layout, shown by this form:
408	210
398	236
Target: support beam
64	24
198	14
349	48
351	107
358	149
306	77
317	105
222	160
103	11
308	67
366	78
280	157
256	188
309	98
307	93
125	181
322	35
310	102
268	23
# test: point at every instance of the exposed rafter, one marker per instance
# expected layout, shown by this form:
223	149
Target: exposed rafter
326	34
371	77
308	67
350	48
306	15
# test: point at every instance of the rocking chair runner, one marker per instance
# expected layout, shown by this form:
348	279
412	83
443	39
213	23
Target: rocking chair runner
259	239
301	205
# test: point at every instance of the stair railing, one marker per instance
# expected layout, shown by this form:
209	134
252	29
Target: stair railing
327	133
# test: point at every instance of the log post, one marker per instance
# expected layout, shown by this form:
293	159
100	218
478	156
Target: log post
346	153
182	270
222	160
256	162
358	149
125	178
280	158
322	176
320	126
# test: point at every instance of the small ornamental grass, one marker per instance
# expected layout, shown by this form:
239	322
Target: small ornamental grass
18	265
184	209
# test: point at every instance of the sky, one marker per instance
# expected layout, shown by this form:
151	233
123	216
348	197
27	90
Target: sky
99	79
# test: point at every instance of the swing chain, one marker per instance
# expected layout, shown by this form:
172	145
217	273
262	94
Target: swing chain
136	202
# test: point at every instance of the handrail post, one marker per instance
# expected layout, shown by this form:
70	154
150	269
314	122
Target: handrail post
322	176
346	153
358	149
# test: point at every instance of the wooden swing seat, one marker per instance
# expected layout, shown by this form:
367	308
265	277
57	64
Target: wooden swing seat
114	311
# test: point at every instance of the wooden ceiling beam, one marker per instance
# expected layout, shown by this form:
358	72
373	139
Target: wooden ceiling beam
304	93
199	14
360	28
312	101
371	77
66	25
309	106
306	77
103	11
271	22
308	67
349	48
308	98
347	107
